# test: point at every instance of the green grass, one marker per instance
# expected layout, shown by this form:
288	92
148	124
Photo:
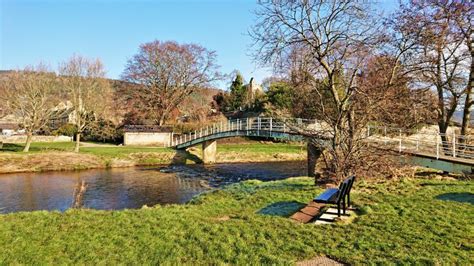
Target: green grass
38	147
123	151
106	151
53	156
403	222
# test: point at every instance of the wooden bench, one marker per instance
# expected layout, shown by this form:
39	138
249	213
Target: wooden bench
337	196
308	213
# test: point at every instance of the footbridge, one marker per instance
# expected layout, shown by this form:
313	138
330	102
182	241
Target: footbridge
450	153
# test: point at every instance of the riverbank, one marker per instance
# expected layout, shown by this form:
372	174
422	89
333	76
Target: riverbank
59	156
407	221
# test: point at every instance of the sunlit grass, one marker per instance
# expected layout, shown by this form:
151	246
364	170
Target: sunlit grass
58	155
120	151
402	222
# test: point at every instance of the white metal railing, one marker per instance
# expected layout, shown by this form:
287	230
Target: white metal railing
254	123
432	143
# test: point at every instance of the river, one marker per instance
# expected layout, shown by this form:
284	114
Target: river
130	188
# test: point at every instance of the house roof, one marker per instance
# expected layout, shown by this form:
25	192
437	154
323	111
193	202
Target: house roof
147	128
9	126
10	119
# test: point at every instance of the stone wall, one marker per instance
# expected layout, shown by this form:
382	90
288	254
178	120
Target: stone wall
22	139
147	138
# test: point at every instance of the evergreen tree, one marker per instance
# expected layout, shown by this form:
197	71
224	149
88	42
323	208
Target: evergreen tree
237	92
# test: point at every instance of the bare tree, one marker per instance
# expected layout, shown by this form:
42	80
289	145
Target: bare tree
463	16
439	56
384	84
167	73
84	83
336	38
31	94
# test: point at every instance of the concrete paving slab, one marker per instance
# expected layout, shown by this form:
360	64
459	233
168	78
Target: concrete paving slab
330	216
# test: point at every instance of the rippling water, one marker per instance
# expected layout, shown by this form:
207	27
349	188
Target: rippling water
121	188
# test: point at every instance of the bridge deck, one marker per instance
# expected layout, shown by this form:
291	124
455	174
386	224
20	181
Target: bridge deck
430	149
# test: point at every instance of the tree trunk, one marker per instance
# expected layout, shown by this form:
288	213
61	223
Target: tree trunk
443	128
78	142
162	121
466	117
29	137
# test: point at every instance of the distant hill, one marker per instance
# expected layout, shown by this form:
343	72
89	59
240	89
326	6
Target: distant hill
196	105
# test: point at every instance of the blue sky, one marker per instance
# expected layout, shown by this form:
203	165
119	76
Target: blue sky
49	31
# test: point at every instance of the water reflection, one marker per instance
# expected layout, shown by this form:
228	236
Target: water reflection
112	189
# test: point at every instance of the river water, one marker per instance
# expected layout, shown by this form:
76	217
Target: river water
130	188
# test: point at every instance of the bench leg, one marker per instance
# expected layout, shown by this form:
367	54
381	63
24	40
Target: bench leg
339	210
348	200
344	205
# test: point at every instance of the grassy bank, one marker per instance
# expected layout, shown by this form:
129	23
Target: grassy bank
406	221
59	156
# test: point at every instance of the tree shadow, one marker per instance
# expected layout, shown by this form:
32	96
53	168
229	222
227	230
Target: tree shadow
441	184
11	147
463	197
282	208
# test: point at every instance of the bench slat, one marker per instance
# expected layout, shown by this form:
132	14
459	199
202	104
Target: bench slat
327	196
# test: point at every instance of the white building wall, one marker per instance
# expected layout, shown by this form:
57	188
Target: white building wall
147	138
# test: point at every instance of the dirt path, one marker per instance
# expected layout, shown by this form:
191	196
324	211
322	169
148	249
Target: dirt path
91	144
318	261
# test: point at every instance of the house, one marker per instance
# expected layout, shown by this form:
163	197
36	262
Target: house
63	114
60	118
151	135
10	125
253	89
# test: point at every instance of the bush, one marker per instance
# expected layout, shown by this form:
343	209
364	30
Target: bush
103	131
66	130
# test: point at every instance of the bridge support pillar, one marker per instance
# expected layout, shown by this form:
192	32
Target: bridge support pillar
209	151
180	157
313	154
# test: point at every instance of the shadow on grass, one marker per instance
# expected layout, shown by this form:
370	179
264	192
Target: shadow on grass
282	208
11	147
463	197
440	184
